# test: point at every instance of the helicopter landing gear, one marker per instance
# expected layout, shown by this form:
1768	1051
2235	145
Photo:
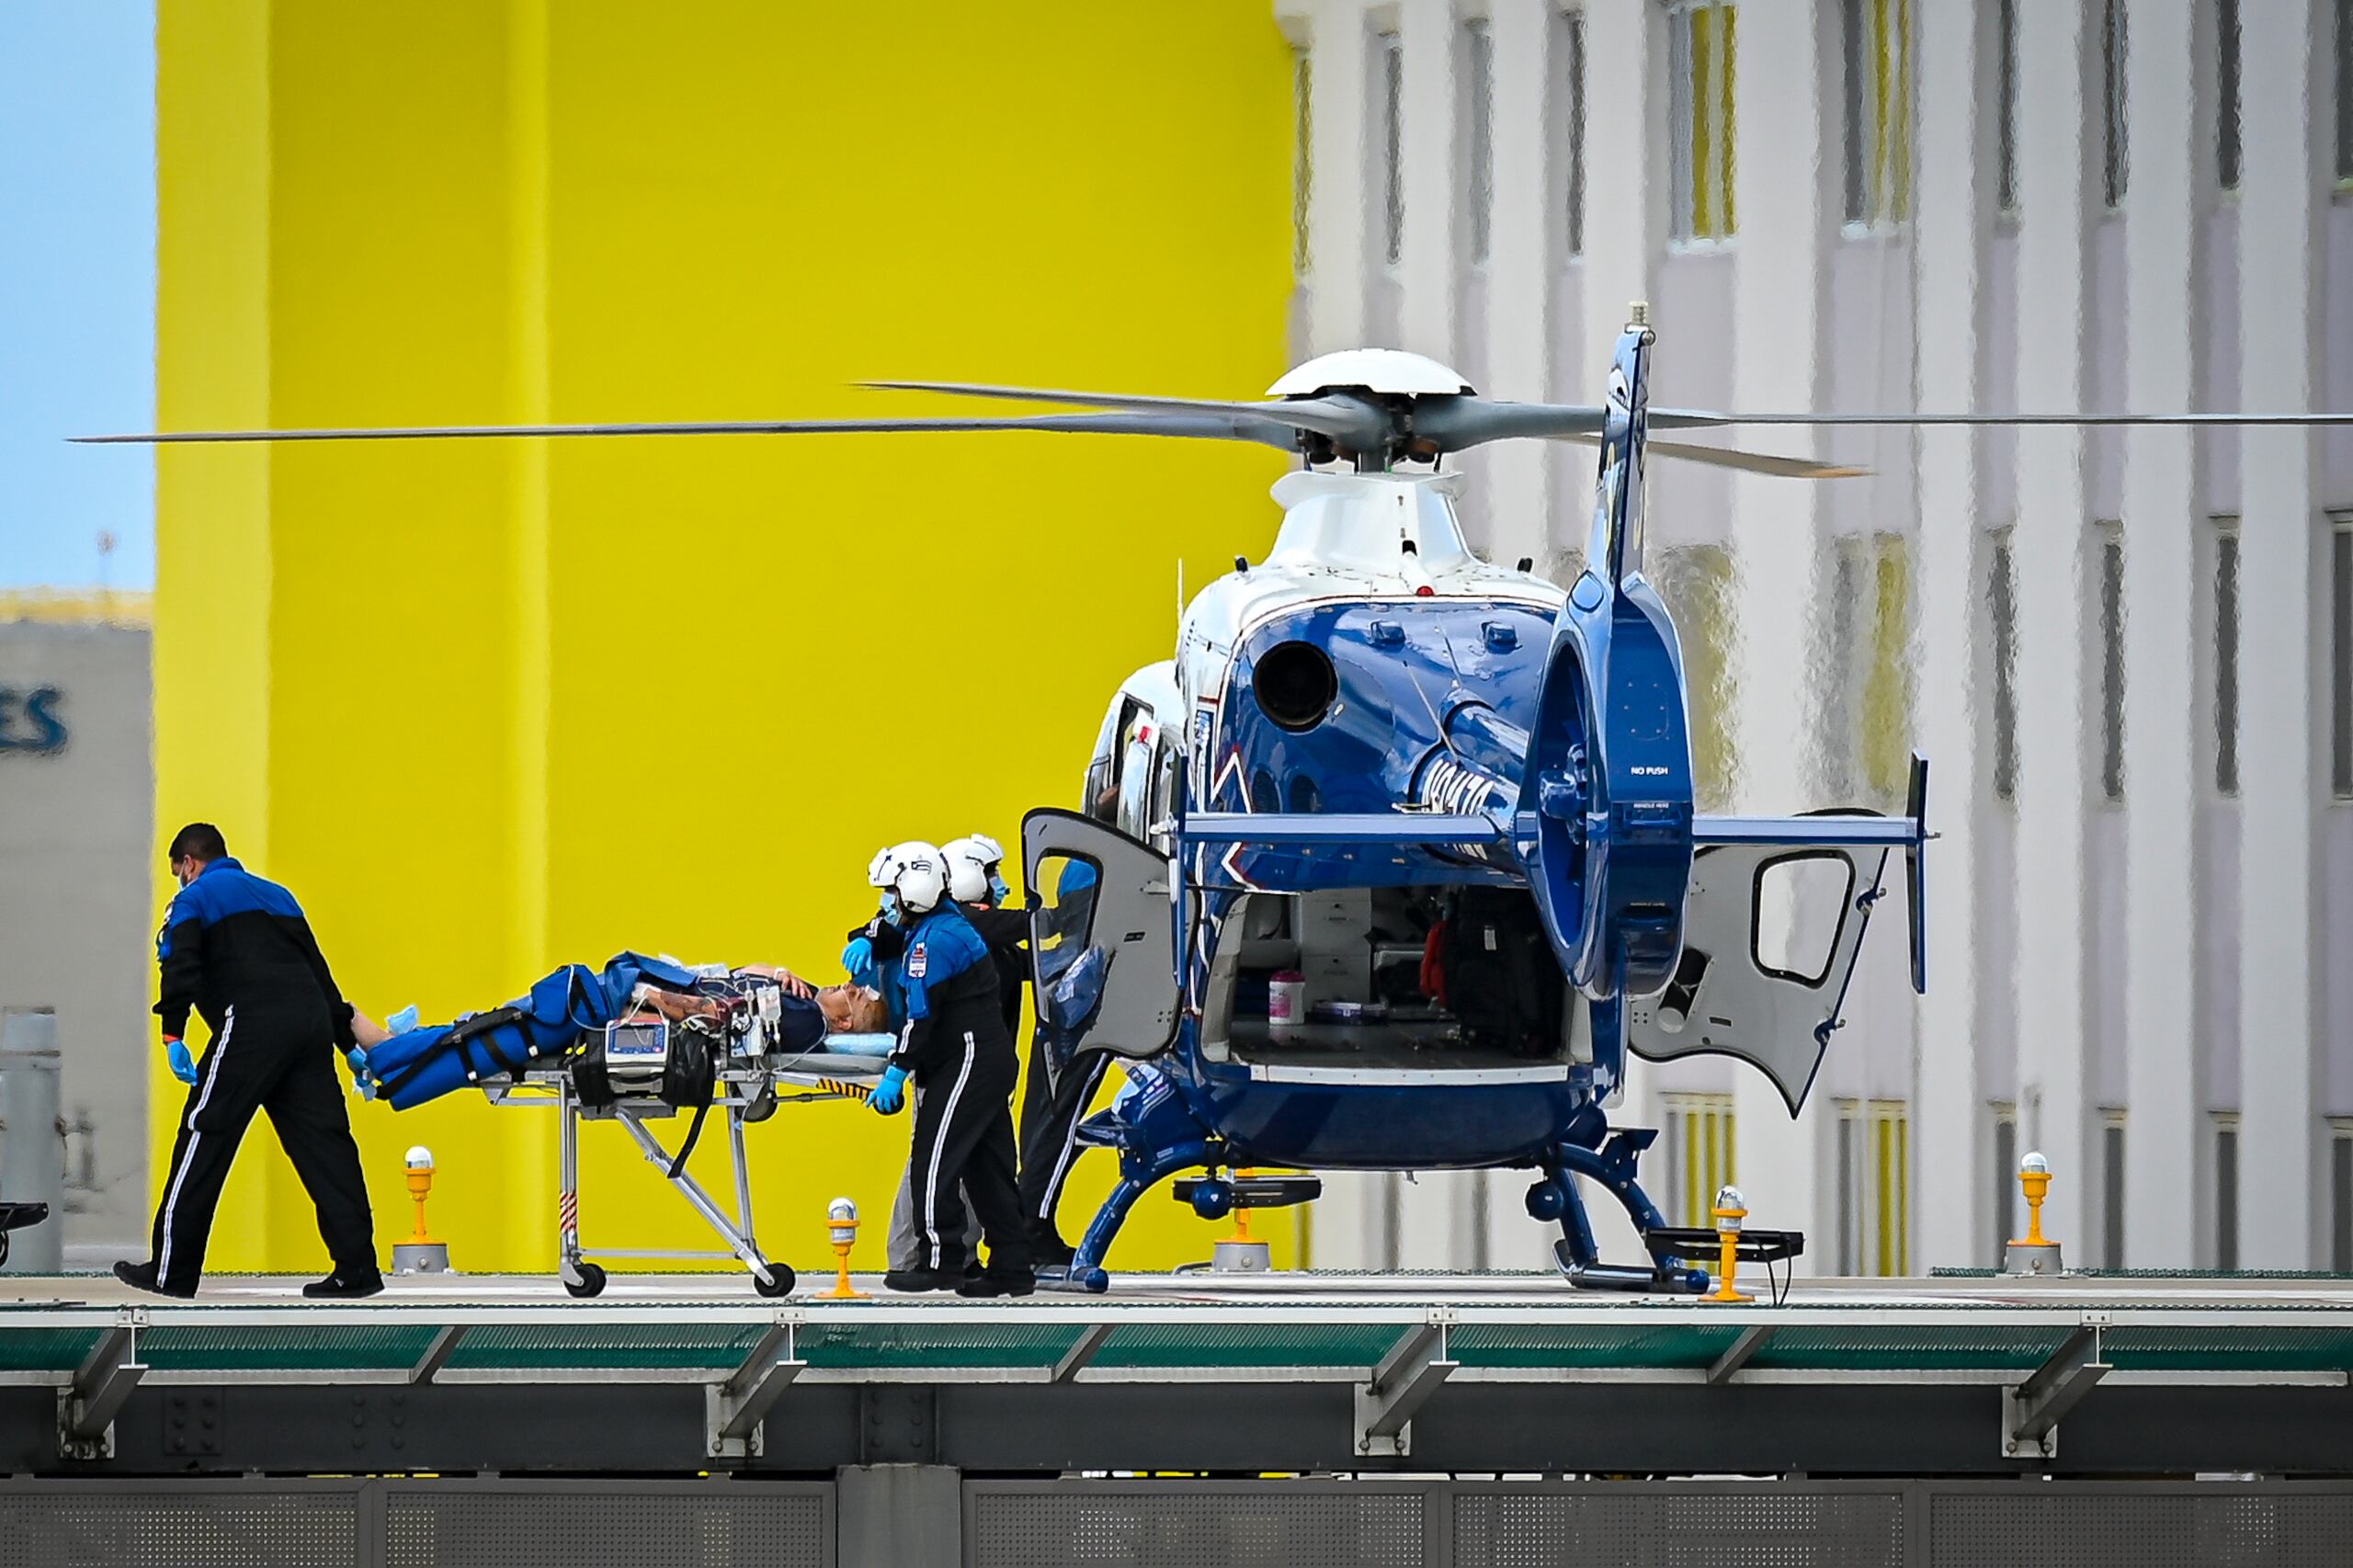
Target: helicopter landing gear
1612	1165
1139	1174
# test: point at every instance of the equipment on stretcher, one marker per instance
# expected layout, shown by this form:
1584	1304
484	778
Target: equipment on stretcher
588	1043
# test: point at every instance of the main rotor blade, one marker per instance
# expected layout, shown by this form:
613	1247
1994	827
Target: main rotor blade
1342	419
1195	425
1699	418
1730	457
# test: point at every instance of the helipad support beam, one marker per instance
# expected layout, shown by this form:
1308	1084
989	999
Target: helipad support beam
87	1408
733	1409
437	1355
1400	1385
2031	1412
1737	1355
1082	1351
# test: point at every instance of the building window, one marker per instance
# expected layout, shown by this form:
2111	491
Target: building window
1302	156
1698	1138
2002	595
2226	655
2111	1168
1392	53
1866	708
1874	1189
2344	92
1696	581
1573	53
2226	1189
2226	94
2340	655
2114	46
2006	50
2340	1197
2005	1210
1702	42
1877	83
1478	54
2112	662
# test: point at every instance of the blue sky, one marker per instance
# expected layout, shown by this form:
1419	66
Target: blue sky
77	290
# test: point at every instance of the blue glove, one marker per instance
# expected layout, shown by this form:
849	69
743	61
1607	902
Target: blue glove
889	1091
401	1021
358	1060
183	1062
858	960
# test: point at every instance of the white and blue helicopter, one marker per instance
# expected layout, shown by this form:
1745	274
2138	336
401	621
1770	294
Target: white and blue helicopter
1453	799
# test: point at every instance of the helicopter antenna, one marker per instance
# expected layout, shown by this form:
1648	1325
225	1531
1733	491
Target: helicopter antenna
1436	724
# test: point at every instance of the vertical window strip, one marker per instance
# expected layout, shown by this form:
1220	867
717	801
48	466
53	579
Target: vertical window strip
2340	1197
2002	592
1302	157
1479	147
1393	147
1573	22
2226	1192
2344	92
2111	1135
2111	662
2006	49
1681	100
1703	61
1727	79
2340	655
1884	743
1851	1261
2226	656
2226	94
2006	1181
2115	44
1850	82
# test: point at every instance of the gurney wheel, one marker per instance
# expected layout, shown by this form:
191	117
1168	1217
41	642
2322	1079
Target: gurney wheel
591	1281
779	1283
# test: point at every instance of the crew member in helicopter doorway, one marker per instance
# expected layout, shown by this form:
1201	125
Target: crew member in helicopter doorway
955	1047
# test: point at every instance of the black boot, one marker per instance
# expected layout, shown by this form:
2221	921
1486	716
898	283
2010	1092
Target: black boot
342	1286
915	1281
1009	1282
142	1277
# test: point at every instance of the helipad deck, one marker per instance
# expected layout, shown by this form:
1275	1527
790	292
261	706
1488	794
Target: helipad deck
1196	1373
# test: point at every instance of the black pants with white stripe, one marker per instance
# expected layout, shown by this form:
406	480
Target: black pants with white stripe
964	1140
286	1070
1049	1119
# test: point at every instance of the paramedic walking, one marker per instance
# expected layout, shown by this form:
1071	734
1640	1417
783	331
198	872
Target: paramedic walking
236	950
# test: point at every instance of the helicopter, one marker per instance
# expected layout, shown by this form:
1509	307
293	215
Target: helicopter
1443	806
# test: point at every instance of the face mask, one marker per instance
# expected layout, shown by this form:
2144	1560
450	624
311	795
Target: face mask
998	891
891	915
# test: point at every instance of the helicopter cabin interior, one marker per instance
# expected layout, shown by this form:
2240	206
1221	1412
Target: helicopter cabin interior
1402	979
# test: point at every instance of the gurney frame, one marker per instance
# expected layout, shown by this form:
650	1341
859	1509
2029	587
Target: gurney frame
747	1090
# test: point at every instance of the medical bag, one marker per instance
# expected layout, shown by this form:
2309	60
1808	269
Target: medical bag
1502	982
651	1059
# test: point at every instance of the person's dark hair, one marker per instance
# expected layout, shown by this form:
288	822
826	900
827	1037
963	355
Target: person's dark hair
198	841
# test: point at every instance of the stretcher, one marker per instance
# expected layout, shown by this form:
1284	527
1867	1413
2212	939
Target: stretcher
747	1089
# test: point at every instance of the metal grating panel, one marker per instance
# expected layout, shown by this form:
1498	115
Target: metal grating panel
1659	1529
1607	1345
583	1528
949	1343
2264	1348
1261	1344
199	1346
211	1528
1181	1526
681	1344
2141	1529
45	1349
1908	1348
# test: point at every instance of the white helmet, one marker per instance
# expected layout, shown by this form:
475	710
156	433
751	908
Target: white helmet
972	861
916	871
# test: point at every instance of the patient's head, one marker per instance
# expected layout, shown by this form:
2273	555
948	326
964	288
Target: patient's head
853	1009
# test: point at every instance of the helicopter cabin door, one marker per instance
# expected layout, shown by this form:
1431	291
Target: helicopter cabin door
1100	937
1771	937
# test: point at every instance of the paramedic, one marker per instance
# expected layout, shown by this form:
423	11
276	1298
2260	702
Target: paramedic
953	1043
236	950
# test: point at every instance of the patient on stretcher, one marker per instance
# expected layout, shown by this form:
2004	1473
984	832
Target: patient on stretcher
758	1006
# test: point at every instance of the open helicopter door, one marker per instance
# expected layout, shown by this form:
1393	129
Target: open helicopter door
1771	937
1099	937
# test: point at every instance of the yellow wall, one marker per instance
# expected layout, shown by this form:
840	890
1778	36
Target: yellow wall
489	707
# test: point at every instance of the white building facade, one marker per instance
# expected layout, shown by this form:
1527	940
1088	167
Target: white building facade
2128	653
